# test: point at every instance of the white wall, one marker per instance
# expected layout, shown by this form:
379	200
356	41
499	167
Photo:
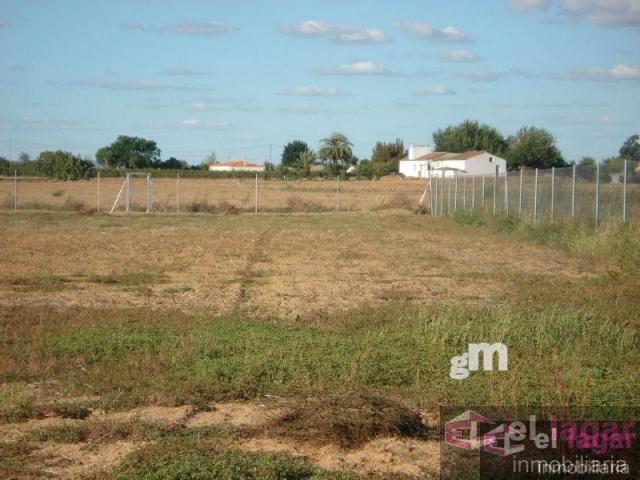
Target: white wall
485	163
413	168
224	168
416	151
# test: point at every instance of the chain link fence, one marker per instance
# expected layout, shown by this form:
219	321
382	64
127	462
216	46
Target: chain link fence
577	193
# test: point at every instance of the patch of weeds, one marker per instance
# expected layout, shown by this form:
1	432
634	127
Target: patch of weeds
176	290
15	459
298	204
58	193
104	341
61	434
470	217
348	420
128	279
74	205
75	410
199	460
43	283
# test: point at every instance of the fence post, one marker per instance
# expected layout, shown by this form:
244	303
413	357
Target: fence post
473	192
482	200
553	188
455	191
148	193
597	195
535	197
495	190
449	198
464	192
127	194
573	192
506	191
98	200
178	193
256	211
432	194
15	190
442	193
624	194
520	193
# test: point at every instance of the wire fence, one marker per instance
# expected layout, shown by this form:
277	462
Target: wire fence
144	193
577	193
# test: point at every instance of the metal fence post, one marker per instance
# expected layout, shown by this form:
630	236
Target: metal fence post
473	192
495	190
597	195
178	193
535	197
464	192
98	189
337	193
148	193
520	193
624	193
553	187
127	193
455	191
442	193
256	211
573	192
449	198
506	191
15	190
482	199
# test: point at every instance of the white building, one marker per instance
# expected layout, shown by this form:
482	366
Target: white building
236	166
475	162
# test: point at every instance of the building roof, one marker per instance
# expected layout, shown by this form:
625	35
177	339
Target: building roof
236	163
434	156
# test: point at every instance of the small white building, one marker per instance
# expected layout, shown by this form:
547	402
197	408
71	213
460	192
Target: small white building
236	166
476	162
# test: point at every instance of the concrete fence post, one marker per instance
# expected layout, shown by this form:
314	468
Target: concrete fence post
597	195
178	193
148	193
15	190
624	193
482	199
573	191
520	193
98	192
495	190
553	188
449	198
535	197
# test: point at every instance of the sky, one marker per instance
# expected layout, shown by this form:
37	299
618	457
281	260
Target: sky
242	78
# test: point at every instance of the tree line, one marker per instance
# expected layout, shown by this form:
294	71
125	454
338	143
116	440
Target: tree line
529	147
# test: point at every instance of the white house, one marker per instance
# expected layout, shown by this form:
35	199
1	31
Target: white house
476	162
236	166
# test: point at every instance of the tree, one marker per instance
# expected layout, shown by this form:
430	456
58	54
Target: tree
24	157
335	150
63	165
172	164
587	162
469	135
305	160
385	157
129	152
630	149
292	151
533	147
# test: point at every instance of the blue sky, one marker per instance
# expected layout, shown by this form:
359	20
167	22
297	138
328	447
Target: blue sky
235	77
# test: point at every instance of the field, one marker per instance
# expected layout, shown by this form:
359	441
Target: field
297	345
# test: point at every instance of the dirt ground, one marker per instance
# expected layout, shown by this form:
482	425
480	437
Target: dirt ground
284	265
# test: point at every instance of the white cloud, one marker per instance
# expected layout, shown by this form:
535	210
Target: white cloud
183	72
196	123
360	67
434	90
203	29
529	5
479	76
616	72
459	56
313	91
135	85
425	31
606	13
336	33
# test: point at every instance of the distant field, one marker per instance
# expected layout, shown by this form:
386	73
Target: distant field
314	344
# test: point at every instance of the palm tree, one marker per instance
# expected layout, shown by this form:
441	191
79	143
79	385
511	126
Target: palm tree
334	150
